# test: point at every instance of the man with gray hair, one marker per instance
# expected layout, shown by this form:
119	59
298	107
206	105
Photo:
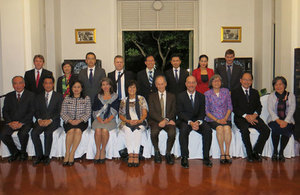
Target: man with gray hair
18	112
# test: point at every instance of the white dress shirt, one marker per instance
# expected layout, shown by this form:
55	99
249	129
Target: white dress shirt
193	95
88	71
36	72
178	72
21	93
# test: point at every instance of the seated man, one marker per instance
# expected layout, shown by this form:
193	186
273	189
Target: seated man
247	108
47	114
18	112
191	113
162	116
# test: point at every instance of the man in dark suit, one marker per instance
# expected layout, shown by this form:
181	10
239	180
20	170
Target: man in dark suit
17	111
91	76
33	78
162	116
191	114
146	78
120	77
230	73
47	114
176	76
247	108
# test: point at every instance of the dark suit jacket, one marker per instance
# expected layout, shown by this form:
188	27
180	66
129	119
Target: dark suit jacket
21	111
128	75
92	89
174	87
144	88
185	110
59	82
53	110
241	106
155	110
236	74
30	83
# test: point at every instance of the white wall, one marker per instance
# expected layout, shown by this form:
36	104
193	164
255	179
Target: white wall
217	13
99	14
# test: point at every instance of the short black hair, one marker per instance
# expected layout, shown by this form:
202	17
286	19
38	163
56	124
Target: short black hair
176	55
82	95
65	63
247	72
229	52
49	77
147	56
131	83
282	79
203	56
90	53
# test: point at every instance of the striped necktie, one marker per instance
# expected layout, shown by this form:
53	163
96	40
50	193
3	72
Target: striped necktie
150	78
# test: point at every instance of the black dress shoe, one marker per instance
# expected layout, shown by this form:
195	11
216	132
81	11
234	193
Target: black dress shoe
250	158
23	156
46	160
257	157
169	159
207	162
281	158
65	163
130	164
14	157
96	161
37	161
101	161
157	157
274	157
185	162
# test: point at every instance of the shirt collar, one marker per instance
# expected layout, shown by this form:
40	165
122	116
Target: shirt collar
244	89
159	93
91	68
193	94
176	69
40	70
49	93
21	93
147	70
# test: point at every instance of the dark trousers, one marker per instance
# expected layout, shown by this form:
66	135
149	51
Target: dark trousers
261	127
23	135
184	133
35	136
171	131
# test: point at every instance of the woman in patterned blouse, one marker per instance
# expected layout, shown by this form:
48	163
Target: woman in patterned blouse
63	82
133	113
75	111
218	114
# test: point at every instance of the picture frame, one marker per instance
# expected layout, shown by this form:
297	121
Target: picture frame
231	34
87	35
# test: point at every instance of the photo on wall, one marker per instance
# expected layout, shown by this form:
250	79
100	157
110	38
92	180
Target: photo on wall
85	36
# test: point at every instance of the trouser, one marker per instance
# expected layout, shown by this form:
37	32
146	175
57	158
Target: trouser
261	127
48	137
171	131
23	135
133	139
184	133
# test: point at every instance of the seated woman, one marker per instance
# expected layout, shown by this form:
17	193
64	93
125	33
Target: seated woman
218	114
63	82
75	111
203	74
105	109
281	107
133	113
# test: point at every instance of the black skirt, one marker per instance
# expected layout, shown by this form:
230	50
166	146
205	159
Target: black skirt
214	124
82	126
276	129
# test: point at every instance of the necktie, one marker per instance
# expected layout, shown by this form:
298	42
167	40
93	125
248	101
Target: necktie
247	95
91	76
37	79
192	101
176	75
119	86
229	75
19	97
150	78
46	99
162	106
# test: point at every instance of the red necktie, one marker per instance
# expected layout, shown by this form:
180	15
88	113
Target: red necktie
37	79
19	97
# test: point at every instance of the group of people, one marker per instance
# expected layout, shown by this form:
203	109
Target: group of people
201	102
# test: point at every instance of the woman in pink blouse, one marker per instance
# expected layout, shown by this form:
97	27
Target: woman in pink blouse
218	114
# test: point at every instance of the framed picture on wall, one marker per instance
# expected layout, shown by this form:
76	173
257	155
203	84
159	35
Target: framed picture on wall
85	35
231	34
